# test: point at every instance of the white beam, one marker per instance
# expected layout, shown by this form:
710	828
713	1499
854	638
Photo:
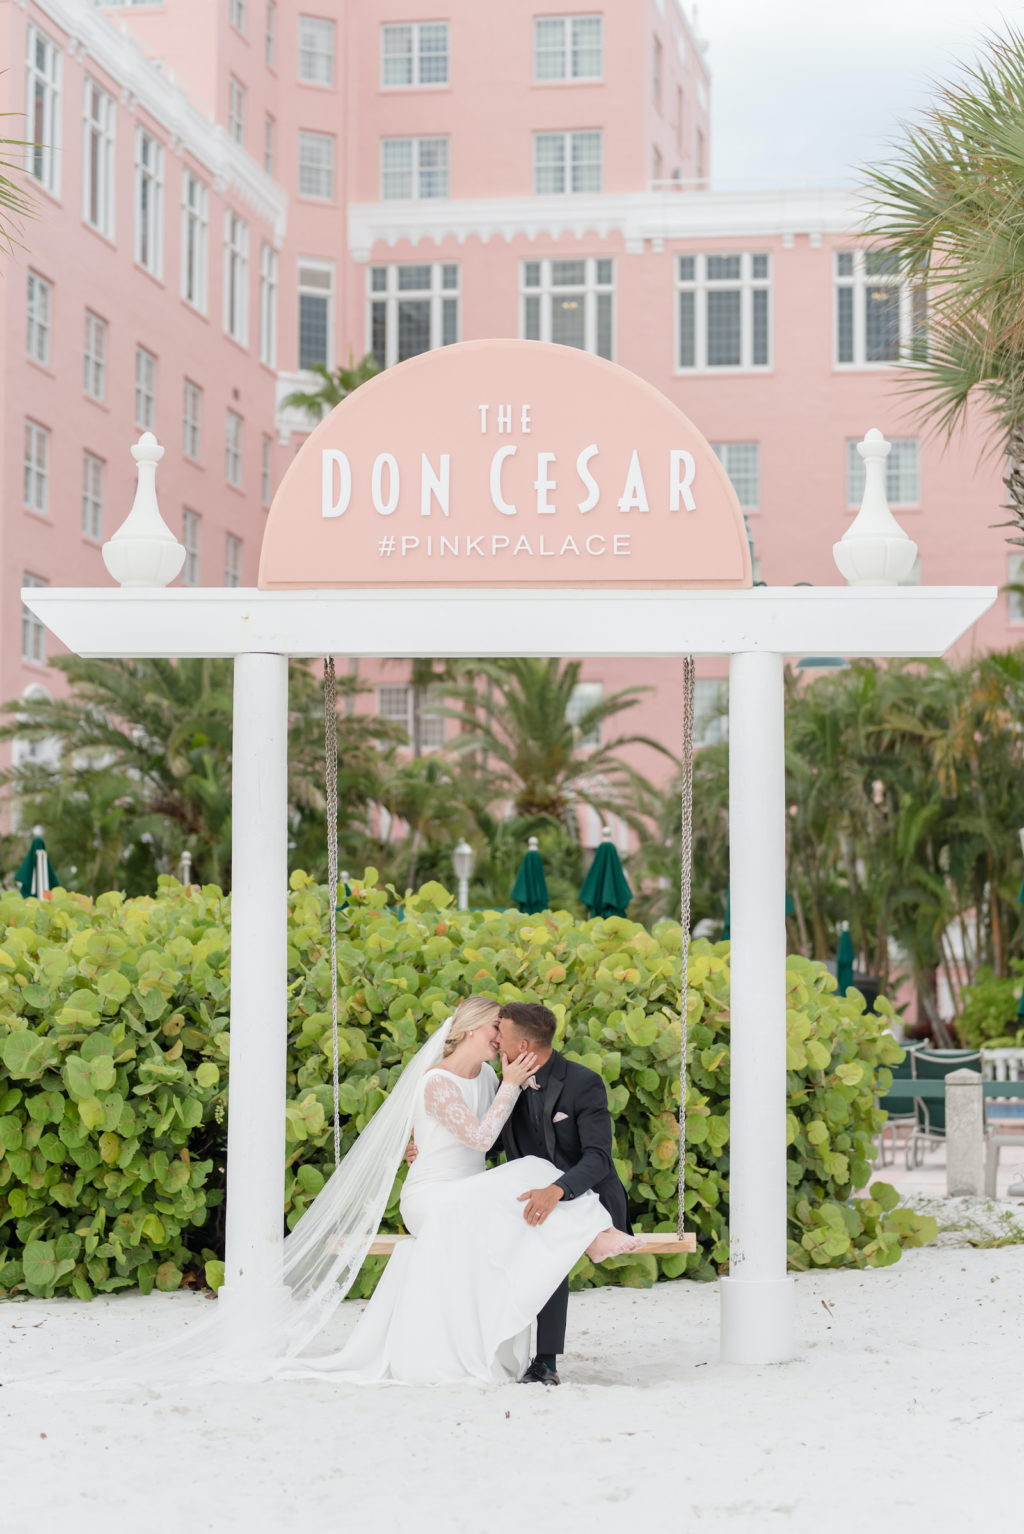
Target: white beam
787	620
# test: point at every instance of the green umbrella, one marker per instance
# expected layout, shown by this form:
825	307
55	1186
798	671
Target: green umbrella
604	891
25	878
530	891
844	960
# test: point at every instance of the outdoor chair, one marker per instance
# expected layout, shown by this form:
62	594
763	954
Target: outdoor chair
904	1119
930	1113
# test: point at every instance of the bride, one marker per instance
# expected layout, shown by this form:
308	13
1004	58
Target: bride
457	1302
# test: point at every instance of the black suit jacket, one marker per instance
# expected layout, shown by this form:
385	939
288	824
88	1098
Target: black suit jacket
580	1144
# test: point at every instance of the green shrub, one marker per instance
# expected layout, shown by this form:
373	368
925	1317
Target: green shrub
114	1062
989	1015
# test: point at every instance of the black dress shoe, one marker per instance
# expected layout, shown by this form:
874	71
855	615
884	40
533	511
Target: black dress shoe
540	1374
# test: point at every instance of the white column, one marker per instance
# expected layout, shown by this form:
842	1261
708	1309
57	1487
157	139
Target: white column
259	1011
757	1299
965	1134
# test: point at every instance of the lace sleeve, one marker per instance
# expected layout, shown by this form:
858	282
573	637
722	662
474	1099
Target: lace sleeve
444	1102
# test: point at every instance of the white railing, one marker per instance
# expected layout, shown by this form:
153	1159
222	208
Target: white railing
1002	1064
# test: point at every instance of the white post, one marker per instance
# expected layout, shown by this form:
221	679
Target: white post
965	1134
259	1008
757	1299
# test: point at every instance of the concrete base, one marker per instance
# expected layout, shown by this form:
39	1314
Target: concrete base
758	1320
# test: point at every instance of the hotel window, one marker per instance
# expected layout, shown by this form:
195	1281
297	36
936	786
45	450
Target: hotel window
413	168
236	277
237	12
710	712
316	50
657	166
656	66
316	165
1015	577
37	337
698	156
567	162
190	538
568	47
194	240
880	316
414	53
232	560
584	697
236	110
413	309
742	463
722	311
265	451
192	421
268	305
316	305
397	703
145	388
270	37
233	449
570	302
42	108
98	159
149	202
902	473
92	496
95	359
269	129
36	476
33	630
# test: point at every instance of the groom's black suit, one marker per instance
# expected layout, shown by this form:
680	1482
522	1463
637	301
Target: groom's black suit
580	1145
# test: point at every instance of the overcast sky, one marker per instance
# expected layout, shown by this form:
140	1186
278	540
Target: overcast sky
802	91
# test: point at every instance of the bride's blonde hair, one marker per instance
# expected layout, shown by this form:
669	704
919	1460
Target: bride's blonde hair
471	1012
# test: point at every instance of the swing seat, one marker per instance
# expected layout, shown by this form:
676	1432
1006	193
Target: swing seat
659	1243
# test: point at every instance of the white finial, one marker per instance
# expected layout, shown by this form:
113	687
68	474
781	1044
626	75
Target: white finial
144	551
874	550
533	845
606	834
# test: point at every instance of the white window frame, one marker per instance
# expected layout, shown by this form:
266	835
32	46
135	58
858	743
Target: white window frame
268	304
269	142
416	171
913	299
1015	577
316	165
585	696
236	110
392	705
232	560
742	462
657	70
266	448
710	711
35	492
569	47
390	296
94	380
236	277
190	537
902	473
569	163
393	33
195	240
149	202
92	496
553	286
236	12
43	109
33	629
270	35
316	61
315	279
145	388
192	421
234	427
38	318
99	113
701	285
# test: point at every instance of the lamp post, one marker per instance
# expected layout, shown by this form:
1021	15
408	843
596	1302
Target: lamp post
185	868
462	859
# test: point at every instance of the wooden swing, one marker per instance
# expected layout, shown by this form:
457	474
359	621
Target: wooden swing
656	1243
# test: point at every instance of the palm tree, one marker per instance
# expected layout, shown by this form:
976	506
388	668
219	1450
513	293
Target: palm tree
949	207
335	385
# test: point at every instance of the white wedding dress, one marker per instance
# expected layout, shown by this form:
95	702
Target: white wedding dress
457	1302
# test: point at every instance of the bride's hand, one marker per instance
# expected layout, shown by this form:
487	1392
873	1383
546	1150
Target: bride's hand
520	1070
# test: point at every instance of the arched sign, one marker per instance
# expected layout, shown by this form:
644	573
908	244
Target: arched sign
505	463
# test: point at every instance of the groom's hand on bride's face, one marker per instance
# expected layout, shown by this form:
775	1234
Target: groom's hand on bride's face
539	1203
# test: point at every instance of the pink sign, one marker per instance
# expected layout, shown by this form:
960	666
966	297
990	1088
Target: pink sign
505	463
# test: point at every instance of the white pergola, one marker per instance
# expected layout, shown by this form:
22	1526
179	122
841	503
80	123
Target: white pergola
756	628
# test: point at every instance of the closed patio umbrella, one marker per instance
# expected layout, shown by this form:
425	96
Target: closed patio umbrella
844	960
604	891
36	875
530	891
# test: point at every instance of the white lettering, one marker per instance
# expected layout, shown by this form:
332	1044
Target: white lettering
679	485
589	482
570	543
620	543
504	418
634	492
497	498
595	538
434	485
451	545
522	547
474	545
542	484
483	417
332	505
409	543
548	553
380	463
524	420
499	541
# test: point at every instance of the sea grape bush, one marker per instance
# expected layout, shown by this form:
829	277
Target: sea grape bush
114	1064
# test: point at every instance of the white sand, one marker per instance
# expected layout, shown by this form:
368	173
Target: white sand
905	1409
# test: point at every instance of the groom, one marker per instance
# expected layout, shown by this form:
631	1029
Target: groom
561	1115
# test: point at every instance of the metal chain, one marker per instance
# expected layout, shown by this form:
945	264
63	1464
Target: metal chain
331	797
685	880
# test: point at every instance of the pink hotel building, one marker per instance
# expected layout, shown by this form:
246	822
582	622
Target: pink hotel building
230	191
